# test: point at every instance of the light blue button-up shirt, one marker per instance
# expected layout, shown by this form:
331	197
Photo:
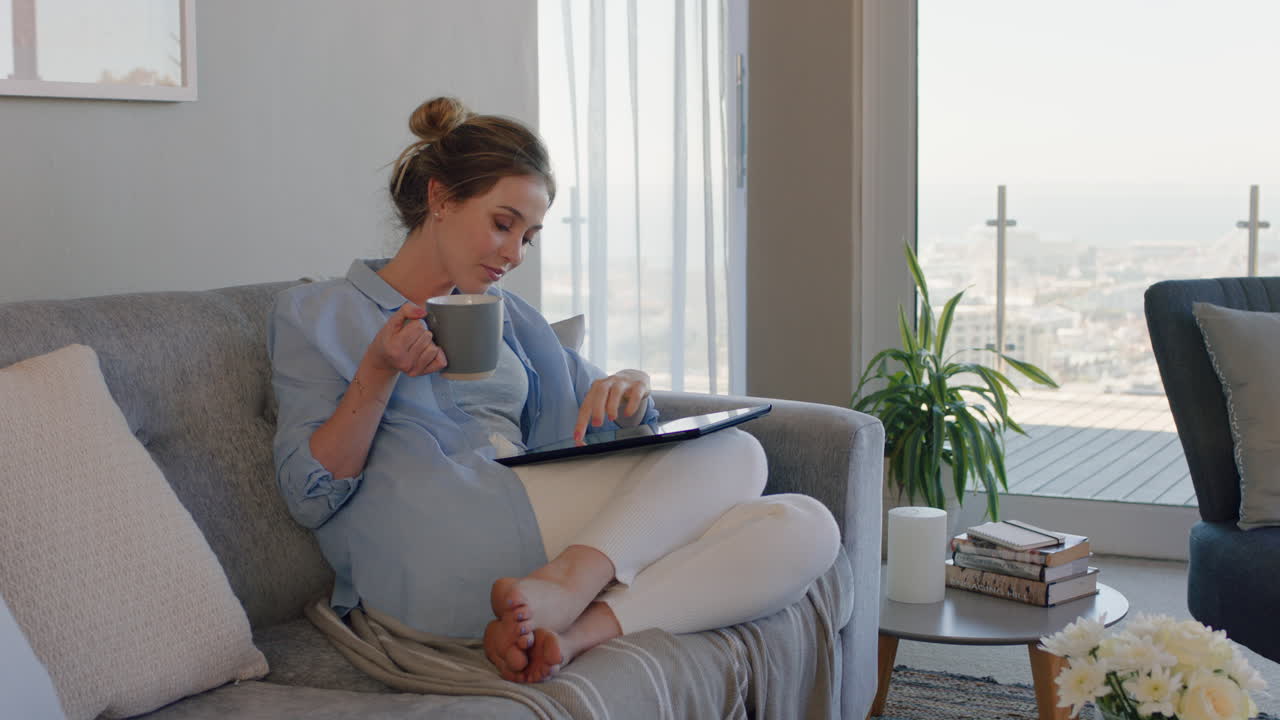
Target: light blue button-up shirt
432	520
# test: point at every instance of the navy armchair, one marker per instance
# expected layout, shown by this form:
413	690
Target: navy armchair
1233	581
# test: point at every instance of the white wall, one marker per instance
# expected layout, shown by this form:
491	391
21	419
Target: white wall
803	200
279	169
831	193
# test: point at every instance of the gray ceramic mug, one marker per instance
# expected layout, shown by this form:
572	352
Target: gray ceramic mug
469	329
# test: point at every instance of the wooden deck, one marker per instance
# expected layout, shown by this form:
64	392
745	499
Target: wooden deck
1097	447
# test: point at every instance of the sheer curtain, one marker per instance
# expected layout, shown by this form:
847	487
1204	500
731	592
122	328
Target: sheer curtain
632	107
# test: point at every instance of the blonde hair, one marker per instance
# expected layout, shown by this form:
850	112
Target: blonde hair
466	153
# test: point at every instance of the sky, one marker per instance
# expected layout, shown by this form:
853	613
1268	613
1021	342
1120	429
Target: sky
1099	91
78	39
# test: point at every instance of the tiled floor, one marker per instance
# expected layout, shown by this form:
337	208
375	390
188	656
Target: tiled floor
1097	447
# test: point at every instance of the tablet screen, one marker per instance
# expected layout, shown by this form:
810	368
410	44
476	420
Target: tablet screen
646	434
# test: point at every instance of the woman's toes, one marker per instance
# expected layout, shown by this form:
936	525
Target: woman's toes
502	647
546	657
506	597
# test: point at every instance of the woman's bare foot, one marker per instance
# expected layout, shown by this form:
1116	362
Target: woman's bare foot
552	651
508	638
508	654
546	658
505	596
551	597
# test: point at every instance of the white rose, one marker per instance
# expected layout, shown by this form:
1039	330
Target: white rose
1213	697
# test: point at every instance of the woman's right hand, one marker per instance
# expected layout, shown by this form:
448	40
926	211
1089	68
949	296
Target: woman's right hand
405	344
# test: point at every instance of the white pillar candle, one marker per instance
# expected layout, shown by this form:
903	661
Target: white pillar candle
917	538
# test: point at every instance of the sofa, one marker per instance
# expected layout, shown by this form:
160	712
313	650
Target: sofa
190	372
1231	583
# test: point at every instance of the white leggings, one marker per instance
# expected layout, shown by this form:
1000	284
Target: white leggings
693	544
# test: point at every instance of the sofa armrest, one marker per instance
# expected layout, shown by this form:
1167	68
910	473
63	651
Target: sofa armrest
835	455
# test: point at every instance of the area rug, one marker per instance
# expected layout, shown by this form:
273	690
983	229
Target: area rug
923	695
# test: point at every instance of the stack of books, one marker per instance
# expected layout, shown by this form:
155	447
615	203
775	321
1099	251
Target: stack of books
1019	561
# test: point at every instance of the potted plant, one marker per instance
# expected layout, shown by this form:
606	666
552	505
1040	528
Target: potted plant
937	411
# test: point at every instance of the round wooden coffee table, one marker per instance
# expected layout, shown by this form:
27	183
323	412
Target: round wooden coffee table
969	618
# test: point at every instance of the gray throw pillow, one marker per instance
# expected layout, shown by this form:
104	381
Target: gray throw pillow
571	331
1243	347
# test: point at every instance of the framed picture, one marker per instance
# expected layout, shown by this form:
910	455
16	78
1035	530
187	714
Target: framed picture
101	49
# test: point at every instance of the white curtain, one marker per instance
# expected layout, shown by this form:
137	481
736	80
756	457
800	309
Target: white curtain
632	107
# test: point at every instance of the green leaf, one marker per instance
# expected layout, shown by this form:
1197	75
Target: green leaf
1001	399
908	458
944	324
1009	424
916	274
924	333
1034	373
980	461
959	460
995	442
908	337
939	430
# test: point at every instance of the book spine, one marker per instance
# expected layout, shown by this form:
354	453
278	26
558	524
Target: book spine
1023	590
1030	571
1022	556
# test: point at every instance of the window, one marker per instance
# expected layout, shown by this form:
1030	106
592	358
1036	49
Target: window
122	49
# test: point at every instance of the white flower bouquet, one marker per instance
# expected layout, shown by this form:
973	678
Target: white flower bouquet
1155	668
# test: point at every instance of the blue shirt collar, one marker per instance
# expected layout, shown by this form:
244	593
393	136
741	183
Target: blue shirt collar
364	275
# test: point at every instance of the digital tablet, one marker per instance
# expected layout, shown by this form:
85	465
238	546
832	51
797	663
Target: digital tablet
638	436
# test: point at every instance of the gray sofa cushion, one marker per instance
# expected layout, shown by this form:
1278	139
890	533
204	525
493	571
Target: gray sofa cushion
301	655
1244	347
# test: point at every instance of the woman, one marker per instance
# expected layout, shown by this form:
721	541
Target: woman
392	465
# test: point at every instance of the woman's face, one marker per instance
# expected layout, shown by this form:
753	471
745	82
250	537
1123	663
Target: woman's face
485	237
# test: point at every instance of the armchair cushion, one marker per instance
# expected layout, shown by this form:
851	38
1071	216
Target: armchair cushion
1243	347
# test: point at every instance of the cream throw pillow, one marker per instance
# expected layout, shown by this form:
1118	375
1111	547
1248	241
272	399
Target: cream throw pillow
1243	346
110	579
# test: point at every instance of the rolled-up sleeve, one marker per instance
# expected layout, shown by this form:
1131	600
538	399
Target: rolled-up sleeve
584	373
307	389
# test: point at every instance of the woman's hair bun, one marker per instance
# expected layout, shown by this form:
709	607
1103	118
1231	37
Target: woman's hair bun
434	118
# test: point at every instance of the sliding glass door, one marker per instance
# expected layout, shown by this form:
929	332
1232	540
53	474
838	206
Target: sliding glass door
1069	157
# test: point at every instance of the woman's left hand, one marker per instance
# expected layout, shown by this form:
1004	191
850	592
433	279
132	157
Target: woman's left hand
606	397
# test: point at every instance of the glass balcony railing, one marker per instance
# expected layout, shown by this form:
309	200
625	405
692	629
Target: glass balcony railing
1055	275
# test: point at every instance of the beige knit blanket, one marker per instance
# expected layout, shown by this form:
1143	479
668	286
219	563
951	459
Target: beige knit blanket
785	665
